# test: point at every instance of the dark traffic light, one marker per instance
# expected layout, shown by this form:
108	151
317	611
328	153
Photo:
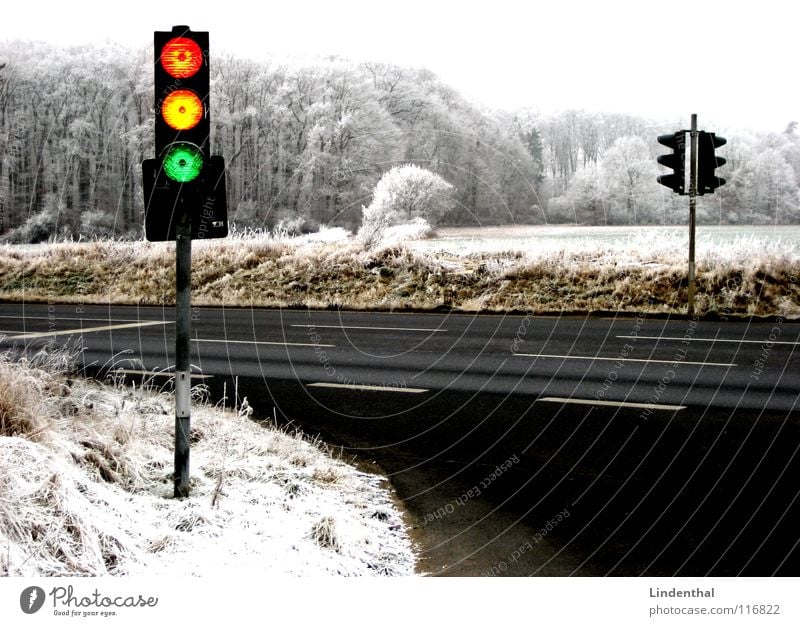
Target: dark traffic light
708	161
184	177
676	161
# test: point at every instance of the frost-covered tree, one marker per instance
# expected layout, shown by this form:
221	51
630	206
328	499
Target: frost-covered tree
404	194
586	199
629	173
409	191
765	189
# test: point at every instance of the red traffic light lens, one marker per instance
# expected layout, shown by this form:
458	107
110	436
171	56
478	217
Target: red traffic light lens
181	57
182	109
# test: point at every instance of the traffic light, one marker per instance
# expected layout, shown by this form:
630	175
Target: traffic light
184	177
708	161
676	161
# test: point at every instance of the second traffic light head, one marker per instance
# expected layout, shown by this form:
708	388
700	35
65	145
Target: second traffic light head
708	161
675	161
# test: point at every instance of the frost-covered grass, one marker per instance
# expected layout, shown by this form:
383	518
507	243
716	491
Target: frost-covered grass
635	271
86	489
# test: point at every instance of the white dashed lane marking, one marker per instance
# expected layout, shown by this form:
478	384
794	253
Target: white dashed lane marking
608	358
369	388
612	403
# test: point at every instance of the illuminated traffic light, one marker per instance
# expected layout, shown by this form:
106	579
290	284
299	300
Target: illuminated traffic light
182	162
182	109
182	101
181	57
675	161
708	161
184	181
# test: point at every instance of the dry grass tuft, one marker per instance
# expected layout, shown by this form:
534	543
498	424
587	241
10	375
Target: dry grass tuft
20	414
34	391
323	533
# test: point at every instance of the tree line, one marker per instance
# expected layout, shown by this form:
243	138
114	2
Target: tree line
303	143
602	169
306	142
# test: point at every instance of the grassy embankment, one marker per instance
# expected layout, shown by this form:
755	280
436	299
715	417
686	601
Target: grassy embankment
85	478
646	273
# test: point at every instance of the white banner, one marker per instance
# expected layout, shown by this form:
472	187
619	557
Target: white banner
254	600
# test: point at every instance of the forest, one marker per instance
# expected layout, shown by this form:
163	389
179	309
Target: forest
305	143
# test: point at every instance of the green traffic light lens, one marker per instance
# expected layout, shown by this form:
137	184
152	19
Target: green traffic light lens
183	162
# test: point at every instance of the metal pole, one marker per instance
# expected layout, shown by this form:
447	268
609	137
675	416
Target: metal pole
183	317
692	208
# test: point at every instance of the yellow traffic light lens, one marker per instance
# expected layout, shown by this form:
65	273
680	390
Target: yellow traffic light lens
182	109
183	162
181	57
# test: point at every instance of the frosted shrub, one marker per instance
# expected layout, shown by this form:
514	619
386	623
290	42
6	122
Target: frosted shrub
404	194
417	228
97	224
289	227
41	226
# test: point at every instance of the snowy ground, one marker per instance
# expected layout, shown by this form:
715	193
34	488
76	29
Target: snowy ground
86	489
528	239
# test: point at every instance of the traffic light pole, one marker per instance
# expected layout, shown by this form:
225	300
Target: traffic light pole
183	322
185	195
692	208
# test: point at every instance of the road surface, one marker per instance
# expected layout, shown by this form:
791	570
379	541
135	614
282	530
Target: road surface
519	445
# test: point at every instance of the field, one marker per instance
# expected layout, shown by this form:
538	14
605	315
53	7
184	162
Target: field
504	238
740	271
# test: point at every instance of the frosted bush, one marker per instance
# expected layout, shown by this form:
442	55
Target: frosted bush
417	228
404	194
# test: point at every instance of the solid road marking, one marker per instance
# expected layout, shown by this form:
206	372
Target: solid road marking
369	387
73	319
150	373
418	330
631	405
608	358
268	343
81	331
783	343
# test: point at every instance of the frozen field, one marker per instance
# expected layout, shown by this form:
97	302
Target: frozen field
462	240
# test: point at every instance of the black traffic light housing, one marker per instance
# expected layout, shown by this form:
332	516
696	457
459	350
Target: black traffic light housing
205	201
184	177
708	161
676	161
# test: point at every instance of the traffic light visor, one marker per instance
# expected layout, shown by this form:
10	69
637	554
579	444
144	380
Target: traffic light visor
183	162
181	57
182	109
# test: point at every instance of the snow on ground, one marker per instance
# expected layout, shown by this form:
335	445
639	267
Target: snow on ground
86	489
637	243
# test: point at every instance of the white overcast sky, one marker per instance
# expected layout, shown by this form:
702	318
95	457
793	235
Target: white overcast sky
735	64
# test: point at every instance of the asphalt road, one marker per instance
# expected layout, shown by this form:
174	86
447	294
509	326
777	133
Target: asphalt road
518	445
